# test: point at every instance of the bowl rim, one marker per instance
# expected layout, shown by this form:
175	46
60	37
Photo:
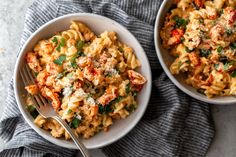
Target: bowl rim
157	43
53	139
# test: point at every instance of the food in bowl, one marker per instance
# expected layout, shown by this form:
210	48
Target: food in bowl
89	80
201	35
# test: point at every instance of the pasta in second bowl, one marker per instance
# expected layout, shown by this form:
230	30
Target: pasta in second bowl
96	61
189	31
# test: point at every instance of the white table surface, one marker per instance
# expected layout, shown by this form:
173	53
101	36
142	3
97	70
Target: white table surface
11	25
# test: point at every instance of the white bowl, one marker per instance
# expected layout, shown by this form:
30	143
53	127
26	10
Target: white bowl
98	24
166	59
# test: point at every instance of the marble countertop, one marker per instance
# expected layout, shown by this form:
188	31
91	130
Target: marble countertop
11	25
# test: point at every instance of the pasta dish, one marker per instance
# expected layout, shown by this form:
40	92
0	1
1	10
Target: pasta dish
89	80
201	35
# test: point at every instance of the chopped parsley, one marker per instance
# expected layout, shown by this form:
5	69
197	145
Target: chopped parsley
117	99
180	22
73	59
201	91
58	48
121	49
229	31
187	49
60	60
195	6
201	21
60	75
33	112
62	43
36	74
73	63
109	107
135	93
233	74
188	61
205	53
88	96
127	88
179	64
75	123
227	65
104	109
216	66
80	45
220	49
69	111
233	45
108	75
55	40
221	11
87	84
131	107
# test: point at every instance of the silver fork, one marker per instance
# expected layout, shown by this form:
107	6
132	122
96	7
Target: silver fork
47	111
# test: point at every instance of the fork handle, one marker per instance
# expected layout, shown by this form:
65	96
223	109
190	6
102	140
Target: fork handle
78	143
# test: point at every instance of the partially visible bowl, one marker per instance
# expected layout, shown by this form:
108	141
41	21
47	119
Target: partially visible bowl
166	59
98	24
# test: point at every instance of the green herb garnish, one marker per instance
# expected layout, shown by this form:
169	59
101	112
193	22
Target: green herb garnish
108	75
187	49
179	64
58	48
135	93
127	88
180	22
227	65
69	111
233	45
131	107
216	66
33	112
233	74
201	21
75	123
73	59
229	31
201	91
60	60
55	40
63	42
104	109
80	45
87	84
36	74
60	75
116	100
109	107
121	49
220	49
88	96
205	53
195	6
187	61
221	11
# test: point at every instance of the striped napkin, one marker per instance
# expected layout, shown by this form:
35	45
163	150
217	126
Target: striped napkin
173	125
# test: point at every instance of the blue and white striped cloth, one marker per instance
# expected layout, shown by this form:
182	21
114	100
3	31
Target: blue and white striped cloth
173	125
